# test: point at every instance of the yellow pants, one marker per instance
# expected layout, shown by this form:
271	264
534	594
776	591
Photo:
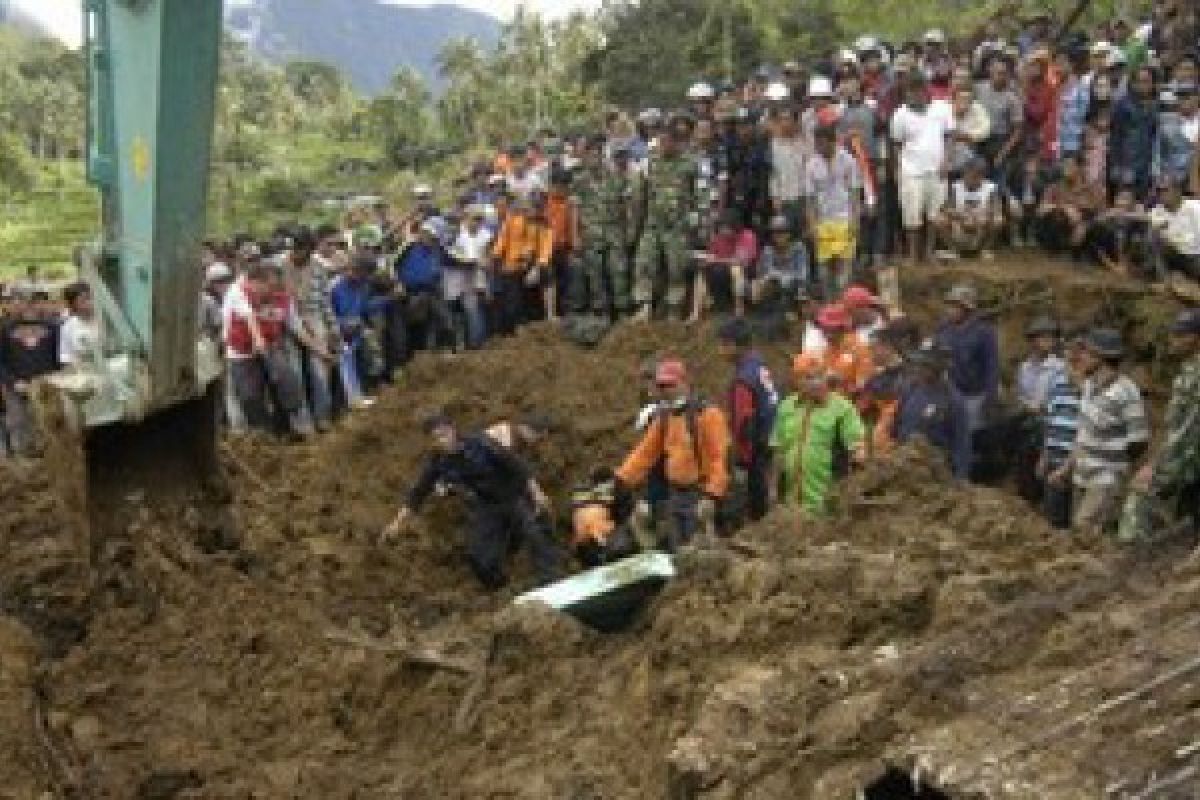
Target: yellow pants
835	239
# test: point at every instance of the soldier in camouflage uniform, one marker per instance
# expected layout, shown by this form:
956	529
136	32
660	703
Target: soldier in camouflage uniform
1167	488
667	208
602	198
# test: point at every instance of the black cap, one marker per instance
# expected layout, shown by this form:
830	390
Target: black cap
436	420
1041	326
736	332
364	262
1105	342
1188	321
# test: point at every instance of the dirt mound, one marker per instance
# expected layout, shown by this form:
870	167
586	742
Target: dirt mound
301	658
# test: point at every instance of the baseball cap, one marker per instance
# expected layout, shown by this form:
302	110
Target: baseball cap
963	295
857	297
834	317
670	372
1188	321
218	272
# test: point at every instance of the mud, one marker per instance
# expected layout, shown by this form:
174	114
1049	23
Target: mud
275	649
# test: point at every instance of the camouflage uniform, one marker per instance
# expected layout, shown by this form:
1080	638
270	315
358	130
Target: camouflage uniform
667	193
1177	467
603	200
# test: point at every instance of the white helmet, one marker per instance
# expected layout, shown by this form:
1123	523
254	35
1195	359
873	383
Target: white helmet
701	91
778	92
820	86
217	272
864	44
847	57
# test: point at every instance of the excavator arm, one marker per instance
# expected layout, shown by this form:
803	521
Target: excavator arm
152	69
142	412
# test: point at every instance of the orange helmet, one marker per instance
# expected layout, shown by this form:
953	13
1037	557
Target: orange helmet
671	372
807	366
834	317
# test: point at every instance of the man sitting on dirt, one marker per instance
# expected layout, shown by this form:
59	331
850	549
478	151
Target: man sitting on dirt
1176	231
691	439
782	278
502	496
972	216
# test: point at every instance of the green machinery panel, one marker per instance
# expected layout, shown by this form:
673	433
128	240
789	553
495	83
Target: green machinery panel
153	75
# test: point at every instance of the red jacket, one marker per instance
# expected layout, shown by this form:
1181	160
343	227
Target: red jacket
270	309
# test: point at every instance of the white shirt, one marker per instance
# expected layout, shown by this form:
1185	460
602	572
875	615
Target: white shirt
1191	129
1182	227
525	185
922	137
78	341
471	248
815	343
977	201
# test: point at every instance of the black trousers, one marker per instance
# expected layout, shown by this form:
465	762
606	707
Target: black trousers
510	303
496	530
1056	505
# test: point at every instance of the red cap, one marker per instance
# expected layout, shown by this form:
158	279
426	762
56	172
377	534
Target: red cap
670	372
834	317
858	297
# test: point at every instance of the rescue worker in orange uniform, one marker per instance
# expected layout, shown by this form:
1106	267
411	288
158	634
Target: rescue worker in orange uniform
846	358
600	533
690	438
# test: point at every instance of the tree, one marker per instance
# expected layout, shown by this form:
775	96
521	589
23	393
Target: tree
17	168
661	38
315	83
400	116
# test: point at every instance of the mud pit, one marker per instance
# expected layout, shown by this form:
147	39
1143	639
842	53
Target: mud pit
919	627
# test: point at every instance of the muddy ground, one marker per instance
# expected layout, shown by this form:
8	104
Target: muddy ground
282	652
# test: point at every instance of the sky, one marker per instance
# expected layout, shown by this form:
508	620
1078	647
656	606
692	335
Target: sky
62	16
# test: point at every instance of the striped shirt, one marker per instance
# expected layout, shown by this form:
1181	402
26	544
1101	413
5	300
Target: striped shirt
1062	419
1111	419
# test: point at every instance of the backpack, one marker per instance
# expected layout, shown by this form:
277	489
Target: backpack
691	415
752	373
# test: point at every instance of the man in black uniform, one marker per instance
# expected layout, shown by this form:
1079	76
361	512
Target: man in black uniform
502	498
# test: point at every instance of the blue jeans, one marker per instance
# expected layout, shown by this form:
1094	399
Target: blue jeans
316	374
348	370
471	307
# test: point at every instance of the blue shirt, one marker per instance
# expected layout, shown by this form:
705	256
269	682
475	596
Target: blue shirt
974	355
936	412
351	299
1072	116
419	267
1173	152
1062	419
1134	133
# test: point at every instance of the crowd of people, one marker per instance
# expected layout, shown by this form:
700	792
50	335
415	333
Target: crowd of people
785	196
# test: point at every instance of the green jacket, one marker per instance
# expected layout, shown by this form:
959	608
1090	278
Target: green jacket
603	198
667	195
803	440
